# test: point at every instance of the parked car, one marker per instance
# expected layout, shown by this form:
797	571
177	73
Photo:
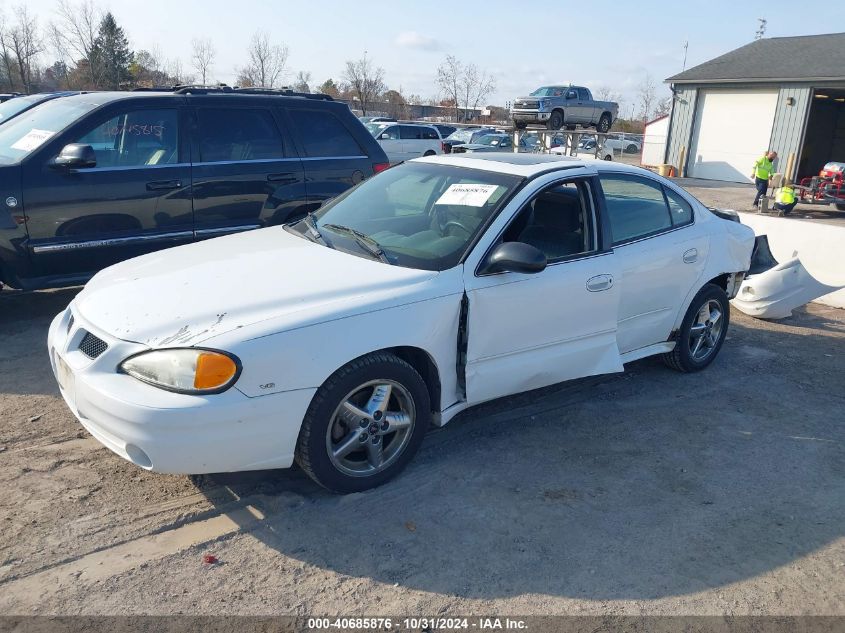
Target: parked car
92	179
377	119
622	144
438	284
559	106
5	96
11	108
466	135
499	142
404	141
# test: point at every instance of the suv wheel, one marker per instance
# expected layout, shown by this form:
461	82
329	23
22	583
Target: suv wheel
364	424
556	120
520	125
702	331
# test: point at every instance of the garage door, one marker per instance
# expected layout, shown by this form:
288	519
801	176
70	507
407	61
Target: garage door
732	130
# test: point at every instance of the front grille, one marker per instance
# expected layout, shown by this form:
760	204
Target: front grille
92	346
531	105
70	323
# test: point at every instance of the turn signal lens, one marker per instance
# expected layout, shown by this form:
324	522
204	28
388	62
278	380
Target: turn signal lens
213	370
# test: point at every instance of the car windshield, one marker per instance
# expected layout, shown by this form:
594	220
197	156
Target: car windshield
10	108
28	131
463	136
375	128
547	91
417	215
492	140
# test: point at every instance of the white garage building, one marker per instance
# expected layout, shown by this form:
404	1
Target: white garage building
785	93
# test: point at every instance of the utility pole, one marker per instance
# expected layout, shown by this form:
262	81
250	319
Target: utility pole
761	29
686	47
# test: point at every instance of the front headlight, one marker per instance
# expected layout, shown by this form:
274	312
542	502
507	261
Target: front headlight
190	370
545	103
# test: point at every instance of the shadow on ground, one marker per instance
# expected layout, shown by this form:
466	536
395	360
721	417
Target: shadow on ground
635	486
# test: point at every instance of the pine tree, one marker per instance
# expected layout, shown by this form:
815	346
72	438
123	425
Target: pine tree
111	54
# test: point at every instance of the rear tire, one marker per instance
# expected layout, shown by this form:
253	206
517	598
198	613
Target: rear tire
429	153
329	424
702	331
604	123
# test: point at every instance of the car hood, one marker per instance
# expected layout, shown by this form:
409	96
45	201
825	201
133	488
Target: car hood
184	295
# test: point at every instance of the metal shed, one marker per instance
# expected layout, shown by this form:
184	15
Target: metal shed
785	93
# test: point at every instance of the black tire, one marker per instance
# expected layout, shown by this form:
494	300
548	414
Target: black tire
840	207
429	153
604	123
570	127
631	149
312	454
555	120
520	125
681	358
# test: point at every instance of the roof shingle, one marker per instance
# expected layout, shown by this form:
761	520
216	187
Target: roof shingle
817	57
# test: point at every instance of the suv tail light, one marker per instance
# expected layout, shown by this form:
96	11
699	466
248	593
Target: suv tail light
442	147
380	167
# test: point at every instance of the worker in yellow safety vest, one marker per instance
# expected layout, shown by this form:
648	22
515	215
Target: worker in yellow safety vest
785	199
763	171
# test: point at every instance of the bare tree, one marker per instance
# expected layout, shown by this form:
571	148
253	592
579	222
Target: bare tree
646	92
75	33
177	73
663	107
202	56
25	43
465	86
366	81
266	62
303	81
449	78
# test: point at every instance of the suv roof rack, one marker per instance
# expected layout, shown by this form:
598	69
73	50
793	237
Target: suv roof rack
223	88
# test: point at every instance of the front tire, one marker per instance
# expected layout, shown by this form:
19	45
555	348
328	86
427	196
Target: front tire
702	331
555	120
429	153
520	125
364	424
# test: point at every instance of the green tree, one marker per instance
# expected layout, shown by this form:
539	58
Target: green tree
111	54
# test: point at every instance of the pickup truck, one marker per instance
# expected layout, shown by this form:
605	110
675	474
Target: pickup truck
559	106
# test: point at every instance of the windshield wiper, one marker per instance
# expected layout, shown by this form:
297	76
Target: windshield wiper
362	239
311	223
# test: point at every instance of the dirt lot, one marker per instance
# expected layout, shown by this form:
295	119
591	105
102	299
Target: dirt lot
648	492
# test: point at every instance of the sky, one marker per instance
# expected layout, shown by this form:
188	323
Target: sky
523	44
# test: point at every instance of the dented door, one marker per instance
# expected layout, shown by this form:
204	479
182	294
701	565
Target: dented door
530	331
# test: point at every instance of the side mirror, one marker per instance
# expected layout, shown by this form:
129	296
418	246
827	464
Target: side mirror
76	156
514	257
385	136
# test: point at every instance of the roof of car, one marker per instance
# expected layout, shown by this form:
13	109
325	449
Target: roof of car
525	165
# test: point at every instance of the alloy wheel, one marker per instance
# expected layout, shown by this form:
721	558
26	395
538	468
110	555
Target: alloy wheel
706	330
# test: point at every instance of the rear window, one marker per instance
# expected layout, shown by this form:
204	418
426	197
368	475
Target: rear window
410	132
324	135
238	134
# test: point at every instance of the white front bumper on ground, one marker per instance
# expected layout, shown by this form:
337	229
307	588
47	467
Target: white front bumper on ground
170	432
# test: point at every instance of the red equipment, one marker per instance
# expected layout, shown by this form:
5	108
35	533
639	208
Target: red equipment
826	188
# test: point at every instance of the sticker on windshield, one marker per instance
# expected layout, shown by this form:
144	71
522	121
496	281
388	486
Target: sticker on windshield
32	139
467	195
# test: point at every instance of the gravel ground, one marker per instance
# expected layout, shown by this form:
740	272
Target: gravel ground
648	492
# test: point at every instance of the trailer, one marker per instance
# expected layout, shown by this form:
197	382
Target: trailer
825	189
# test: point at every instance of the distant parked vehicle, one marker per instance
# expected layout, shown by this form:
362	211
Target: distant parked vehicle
445	130
588	147
466	135
5	96
11	108
623	144
559	106
377	119
404	141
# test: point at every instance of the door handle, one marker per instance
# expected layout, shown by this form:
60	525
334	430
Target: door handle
691	256
162	185
599	283
282	178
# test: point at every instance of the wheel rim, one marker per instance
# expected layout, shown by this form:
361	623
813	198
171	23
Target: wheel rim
370	428
706	330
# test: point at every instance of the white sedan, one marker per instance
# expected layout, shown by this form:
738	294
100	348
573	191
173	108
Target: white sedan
436	285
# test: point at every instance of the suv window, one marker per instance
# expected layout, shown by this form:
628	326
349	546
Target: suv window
135	139
636	207
558	221
323	134
238	134
429	133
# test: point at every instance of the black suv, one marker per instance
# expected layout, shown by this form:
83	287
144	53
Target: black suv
92	179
